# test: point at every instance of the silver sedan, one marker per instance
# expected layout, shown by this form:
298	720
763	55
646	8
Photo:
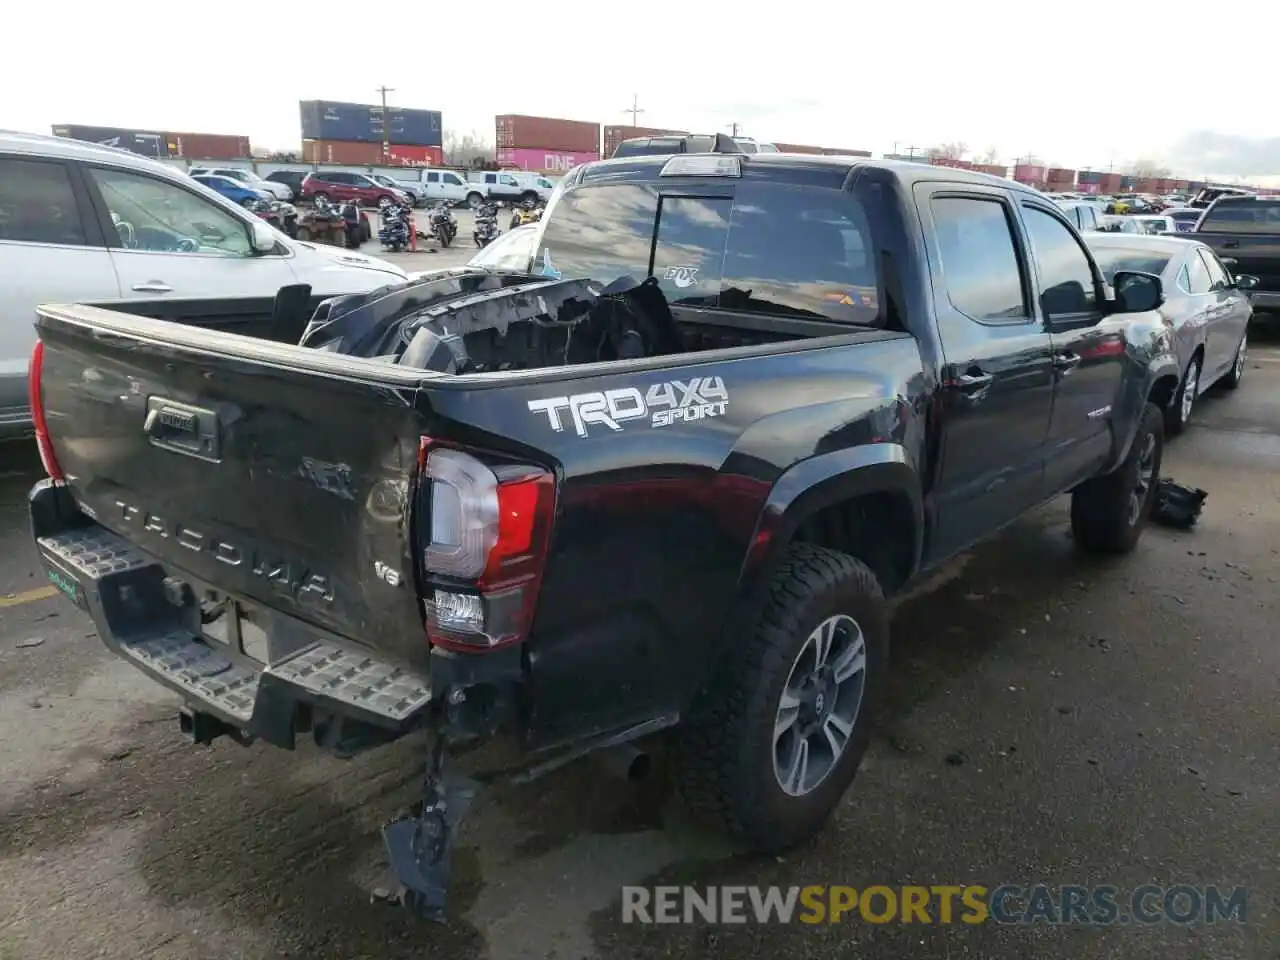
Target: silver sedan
1207	307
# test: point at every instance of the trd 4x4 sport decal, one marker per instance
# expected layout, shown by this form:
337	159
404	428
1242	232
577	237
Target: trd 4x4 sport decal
663	404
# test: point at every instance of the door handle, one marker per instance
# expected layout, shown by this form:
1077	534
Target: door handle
1231	244
974	385
1066	362
153	286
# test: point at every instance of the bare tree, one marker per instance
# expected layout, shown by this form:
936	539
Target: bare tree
467	149
948	151
1148	170
990	157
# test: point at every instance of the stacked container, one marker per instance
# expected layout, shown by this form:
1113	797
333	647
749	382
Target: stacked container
208	146
1031	174
842	152
345	131
614	135
1110	183
545	144
1060	179
953	162
799	148
995	169
147	143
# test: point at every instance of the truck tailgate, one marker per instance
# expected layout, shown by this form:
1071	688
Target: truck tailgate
273	474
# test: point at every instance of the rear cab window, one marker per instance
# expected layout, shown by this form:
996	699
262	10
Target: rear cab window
1242	215
755	247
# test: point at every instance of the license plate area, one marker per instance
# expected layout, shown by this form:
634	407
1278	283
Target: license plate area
237	627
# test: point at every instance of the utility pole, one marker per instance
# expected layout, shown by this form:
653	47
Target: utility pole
734	127
386	126
635	109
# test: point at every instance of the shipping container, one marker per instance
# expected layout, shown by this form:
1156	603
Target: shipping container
1029	173
994	169
615	134
1089	188
799	148
341	151
1127	182
409	155
148	143
1061	175
1181	186
1088	176
1111	183
365	123
546	133
544	161
843	152
952	162
208	146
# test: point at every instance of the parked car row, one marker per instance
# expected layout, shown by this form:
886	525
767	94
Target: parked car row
83	223
431	186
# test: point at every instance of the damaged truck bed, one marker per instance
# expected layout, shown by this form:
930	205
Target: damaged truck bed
577	512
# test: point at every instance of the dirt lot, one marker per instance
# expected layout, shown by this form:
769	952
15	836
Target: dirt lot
1049	720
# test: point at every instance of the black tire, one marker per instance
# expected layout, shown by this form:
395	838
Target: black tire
1233	377
724	753
1179	410
446	237
474	199
529	195
1102	516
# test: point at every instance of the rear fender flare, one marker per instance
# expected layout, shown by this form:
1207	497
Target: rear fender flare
818	482
1163	364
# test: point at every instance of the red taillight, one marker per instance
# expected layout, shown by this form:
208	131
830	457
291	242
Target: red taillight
489	528
35	399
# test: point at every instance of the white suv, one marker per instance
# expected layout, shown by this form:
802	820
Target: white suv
280	191
81	222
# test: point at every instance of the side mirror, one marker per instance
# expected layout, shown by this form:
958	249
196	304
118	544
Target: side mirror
1137	292
1245	281
263	237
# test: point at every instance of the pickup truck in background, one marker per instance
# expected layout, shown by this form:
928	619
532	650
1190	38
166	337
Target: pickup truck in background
510	186
1244	231
662	480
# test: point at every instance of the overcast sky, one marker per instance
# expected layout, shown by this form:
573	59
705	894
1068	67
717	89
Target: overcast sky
1078	83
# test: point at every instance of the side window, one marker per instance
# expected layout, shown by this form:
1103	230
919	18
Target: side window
510	181
157	216
433	178
1066	282
600	233
453	179
1197	276
689	253
979	260
1218	279
800	253
37	204
490	178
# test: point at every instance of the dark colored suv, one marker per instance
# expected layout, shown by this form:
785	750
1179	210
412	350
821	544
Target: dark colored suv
340	186
290	178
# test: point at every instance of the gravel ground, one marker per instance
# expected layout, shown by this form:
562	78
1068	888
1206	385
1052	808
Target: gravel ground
1049	720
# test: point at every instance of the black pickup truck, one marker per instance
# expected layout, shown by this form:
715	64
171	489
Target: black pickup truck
1244	231
663	480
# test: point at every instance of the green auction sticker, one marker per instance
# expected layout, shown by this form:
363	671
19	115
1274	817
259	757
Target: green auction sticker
62	583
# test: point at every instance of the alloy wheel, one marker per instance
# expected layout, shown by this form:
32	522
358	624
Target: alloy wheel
1146	477
819	705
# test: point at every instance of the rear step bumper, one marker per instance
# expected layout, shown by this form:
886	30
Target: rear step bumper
131	599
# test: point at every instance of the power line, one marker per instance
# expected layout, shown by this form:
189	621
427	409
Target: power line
386	125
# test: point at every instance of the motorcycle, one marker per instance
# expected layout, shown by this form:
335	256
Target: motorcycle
395	231
442	224
529	211
486	229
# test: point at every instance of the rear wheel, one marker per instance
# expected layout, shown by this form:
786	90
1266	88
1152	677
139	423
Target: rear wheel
1178	413
474	199
1236	373
1109	512
777	737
